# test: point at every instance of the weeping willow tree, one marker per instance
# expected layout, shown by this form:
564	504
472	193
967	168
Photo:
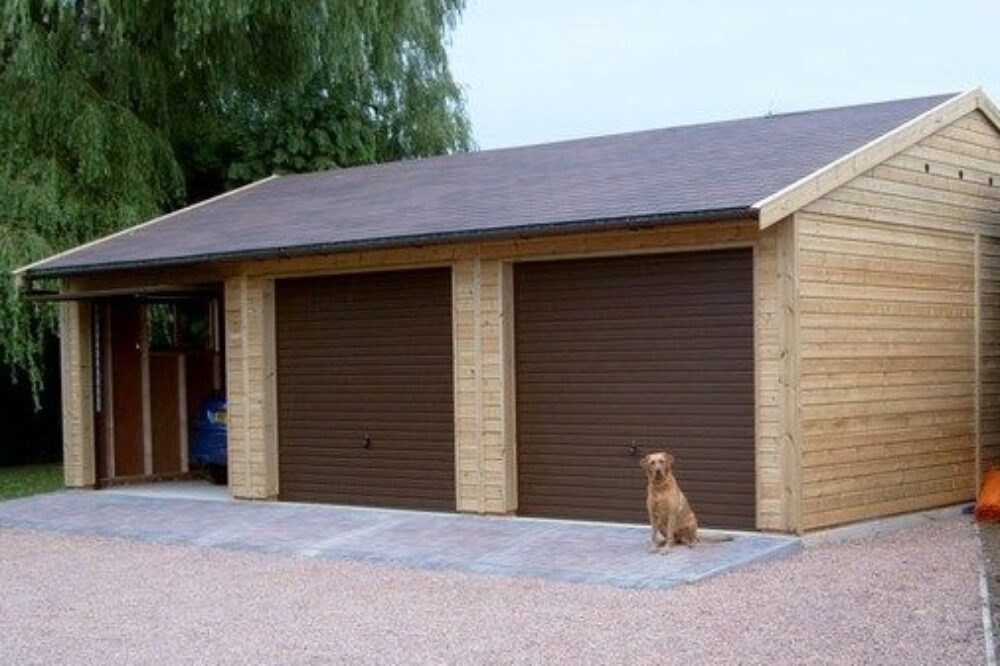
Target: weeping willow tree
112	111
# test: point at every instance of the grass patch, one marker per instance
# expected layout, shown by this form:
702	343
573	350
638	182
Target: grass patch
29	480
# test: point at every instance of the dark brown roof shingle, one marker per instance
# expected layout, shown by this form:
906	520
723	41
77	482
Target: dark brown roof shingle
711	170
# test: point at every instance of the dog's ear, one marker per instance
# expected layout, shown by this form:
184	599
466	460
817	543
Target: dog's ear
644	462
669	460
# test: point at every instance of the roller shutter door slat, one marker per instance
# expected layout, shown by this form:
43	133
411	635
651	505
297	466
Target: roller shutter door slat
366	354
657	349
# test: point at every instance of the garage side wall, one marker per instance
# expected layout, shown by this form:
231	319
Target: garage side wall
892	354
989	351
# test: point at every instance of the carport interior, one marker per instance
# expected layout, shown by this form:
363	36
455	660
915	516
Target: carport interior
156	358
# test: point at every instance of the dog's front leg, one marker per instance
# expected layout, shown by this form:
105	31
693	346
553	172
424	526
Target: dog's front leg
655	538
669	536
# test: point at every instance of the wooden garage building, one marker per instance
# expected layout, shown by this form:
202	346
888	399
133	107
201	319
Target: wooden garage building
802	307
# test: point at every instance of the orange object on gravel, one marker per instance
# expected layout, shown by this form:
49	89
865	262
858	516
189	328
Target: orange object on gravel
988	502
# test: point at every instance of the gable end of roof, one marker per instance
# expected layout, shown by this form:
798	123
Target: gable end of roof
826	179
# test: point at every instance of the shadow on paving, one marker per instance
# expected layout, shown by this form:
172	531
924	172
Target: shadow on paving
593	553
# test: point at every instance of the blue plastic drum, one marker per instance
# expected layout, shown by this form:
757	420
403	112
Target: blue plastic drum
208	445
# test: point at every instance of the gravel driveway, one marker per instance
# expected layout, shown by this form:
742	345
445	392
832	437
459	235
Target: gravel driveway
909	598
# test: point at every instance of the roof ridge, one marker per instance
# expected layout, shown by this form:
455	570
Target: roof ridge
408	162
845	107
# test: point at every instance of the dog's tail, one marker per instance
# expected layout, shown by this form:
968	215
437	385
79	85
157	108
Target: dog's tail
715	538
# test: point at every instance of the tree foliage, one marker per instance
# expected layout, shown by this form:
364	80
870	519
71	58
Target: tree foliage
112	111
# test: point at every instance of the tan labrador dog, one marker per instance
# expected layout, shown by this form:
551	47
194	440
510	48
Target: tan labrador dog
670	515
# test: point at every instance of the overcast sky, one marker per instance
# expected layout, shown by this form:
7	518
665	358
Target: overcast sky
543	70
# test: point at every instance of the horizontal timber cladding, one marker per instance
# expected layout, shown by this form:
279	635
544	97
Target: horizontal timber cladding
656	350
364	389
889	306
887	369
989	352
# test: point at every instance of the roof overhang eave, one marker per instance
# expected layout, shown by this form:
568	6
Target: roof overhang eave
26	275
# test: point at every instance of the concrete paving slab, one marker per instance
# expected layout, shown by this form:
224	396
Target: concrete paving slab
188	489
568	551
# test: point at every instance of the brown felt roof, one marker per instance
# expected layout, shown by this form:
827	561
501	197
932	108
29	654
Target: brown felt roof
710	171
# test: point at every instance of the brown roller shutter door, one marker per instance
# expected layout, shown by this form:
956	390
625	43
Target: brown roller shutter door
656	350
364	379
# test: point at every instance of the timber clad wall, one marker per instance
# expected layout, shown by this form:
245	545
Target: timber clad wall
768	394
984	142
484	438
887	322
778	461
77	393
253	451
887	363
989	351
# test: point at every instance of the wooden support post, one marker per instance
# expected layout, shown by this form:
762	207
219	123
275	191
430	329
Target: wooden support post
250	377
790	442
77	394
484	416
